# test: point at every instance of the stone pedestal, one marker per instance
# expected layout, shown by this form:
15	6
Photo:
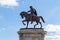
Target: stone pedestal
31	34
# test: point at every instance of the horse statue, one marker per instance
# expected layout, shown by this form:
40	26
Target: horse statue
28	18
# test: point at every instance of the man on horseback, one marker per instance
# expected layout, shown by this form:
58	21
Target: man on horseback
33	13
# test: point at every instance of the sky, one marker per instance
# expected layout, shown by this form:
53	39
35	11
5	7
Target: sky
11	21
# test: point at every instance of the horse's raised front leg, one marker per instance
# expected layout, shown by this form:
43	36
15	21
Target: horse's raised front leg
23	22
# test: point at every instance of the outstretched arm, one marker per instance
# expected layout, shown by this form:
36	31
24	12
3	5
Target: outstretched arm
29	11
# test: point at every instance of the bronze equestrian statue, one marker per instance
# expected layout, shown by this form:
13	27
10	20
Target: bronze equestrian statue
31	17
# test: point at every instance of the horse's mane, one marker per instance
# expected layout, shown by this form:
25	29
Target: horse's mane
23	12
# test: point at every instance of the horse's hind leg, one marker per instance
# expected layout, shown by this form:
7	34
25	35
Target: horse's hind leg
40	24
23	22
27	24
35	24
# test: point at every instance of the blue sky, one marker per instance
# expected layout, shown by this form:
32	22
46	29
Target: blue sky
11	22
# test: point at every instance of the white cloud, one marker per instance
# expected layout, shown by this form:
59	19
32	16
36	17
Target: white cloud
50	28
8	3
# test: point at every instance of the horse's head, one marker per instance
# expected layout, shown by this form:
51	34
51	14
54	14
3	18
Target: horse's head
23	14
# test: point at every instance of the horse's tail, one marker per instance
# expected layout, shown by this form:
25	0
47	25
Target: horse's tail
42	18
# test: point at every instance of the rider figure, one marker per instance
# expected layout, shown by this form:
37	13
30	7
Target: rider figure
33	13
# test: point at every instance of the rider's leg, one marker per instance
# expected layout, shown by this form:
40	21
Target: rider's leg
32	20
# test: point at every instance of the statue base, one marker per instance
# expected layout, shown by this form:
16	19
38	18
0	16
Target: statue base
31	34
